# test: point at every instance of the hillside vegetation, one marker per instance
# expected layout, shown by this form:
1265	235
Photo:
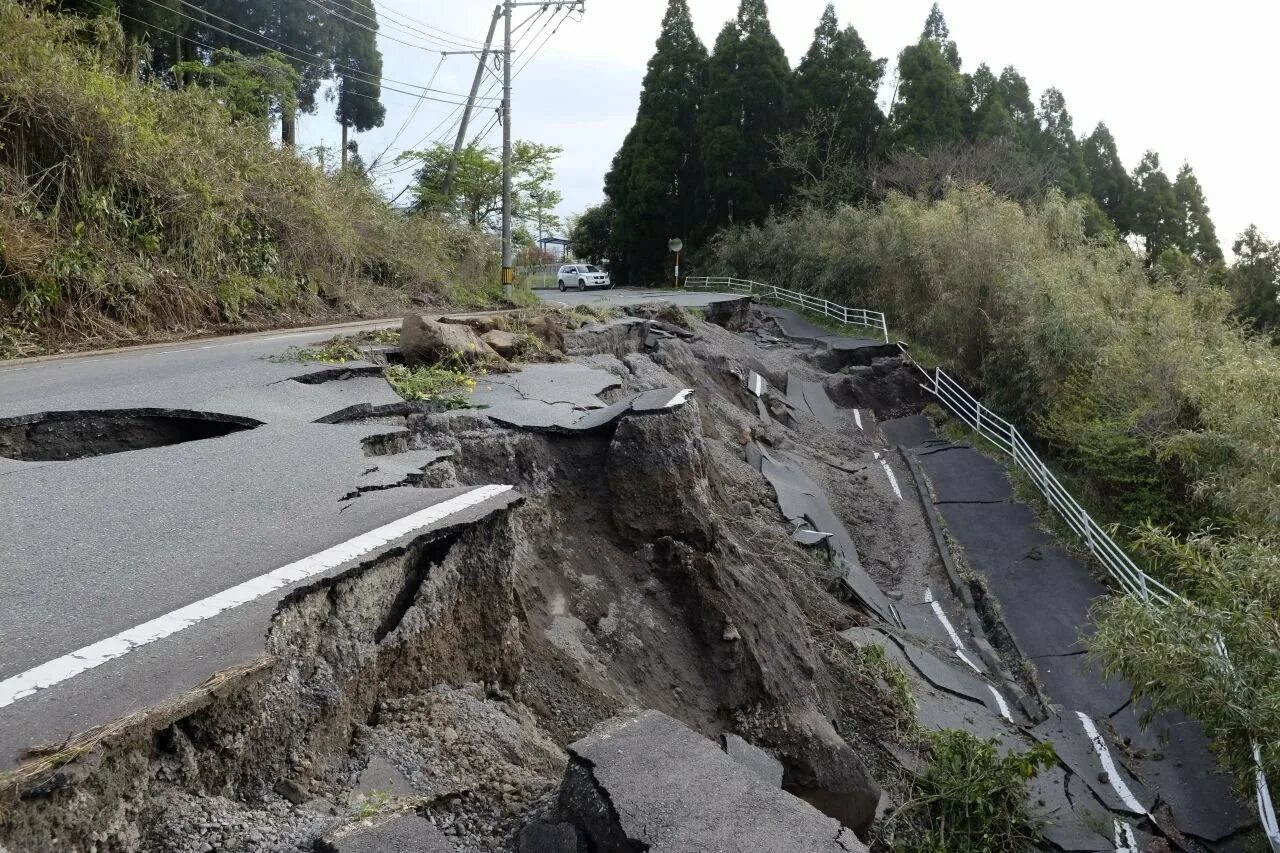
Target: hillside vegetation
131	211
1164	411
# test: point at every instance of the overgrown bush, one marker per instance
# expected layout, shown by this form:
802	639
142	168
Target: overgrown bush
130	210
969	797
1137	381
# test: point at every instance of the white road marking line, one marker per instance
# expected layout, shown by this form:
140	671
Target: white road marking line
69	665
679	399
756	384
951	632
857	418
1004	706
893	481
1109	766
1124	840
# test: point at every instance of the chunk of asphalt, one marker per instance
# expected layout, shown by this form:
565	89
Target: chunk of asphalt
1069	825
803	501
1174	759
753	758
966	476
1046	605
809	537
911	431
1094	760
542	419
403	832
815	397
645	782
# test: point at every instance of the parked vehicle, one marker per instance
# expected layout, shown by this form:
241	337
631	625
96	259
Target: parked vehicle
582	276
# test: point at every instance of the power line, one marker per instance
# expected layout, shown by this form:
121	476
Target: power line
412	32
309	65
412	112
388	12
365	26
539	48
291	52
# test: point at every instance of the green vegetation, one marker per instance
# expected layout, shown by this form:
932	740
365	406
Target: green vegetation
872	660
1138	381
449	385
341	348
733	136
130	210
969	798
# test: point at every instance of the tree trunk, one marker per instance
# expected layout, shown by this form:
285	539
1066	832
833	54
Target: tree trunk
177	60
288	125
344	146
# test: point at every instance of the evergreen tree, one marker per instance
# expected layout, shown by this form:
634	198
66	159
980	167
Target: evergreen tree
932	107
838	77
1058	144
1198	237
1109	183
1001	108
654	187
356	50
1254	281
746	103
1154	213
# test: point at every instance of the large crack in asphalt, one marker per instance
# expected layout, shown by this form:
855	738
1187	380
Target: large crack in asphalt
67	435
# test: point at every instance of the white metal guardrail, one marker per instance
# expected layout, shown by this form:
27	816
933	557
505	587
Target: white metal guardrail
814	304
1004	435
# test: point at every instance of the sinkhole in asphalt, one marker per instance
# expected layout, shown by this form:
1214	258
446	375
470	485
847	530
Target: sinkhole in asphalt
63	436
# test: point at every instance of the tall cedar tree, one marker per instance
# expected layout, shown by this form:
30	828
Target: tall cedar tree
356	50
1254	281
1109	183
744	110
1002	108
1059	146
1154	213
655	182
1198	237
839	77
932	106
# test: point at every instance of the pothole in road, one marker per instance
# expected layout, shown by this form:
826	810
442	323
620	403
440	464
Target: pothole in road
63	436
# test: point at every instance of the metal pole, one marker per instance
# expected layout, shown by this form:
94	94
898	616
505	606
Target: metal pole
471	101
508	274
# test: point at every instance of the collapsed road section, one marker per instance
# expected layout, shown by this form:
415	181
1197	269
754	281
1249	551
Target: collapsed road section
668	586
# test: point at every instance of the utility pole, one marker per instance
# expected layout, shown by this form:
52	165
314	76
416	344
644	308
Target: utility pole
471	100
508	271
508	252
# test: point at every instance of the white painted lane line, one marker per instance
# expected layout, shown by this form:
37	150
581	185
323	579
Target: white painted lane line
69	665
951	632
893	481
857	418
1124	839
679	398
1109	766
1004	706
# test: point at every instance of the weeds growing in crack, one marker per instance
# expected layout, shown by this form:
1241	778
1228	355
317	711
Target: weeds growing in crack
873	662
968	797
447	383
340	348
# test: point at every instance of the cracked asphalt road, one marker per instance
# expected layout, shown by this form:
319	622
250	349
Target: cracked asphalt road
94	548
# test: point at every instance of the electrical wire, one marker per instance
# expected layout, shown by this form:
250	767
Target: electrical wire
412	113
291	52
334	13
309	65
414	32
421	23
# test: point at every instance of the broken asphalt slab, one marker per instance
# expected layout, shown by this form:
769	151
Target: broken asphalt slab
647	782
530	417
910	431
803	502
404	832
964	475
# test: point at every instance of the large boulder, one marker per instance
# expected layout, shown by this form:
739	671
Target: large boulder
503	343
424	340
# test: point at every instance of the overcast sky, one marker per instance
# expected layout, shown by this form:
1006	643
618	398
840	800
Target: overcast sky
1194	81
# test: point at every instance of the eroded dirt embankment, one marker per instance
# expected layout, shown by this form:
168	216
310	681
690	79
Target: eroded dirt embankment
648	566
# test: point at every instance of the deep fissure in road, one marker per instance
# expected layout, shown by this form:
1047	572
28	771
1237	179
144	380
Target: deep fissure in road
67	435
